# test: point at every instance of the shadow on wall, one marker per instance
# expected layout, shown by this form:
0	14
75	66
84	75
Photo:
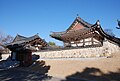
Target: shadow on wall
94	74
36	72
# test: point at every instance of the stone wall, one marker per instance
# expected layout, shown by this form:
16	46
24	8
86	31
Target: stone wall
105	51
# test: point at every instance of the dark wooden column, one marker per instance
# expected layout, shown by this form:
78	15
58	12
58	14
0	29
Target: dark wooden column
83	42
76	43
92	40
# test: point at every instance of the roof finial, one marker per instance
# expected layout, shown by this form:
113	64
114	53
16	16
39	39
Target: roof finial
37	33
77	15
98	22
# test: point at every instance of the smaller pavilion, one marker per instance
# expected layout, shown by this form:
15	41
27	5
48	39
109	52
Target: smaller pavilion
22	47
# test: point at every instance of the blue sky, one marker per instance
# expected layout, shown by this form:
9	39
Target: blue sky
29	17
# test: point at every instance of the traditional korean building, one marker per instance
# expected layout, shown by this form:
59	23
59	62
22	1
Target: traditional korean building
83	34
22	48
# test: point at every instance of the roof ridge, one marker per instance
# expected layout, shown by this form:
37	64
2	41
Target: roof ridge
83	21
19	38
80	20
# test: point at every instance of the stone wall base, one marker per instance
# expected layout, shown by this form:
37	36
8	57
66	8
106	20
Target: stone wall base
105	51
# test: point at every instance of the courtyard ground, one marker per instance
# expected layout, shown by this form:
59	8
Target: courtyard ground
73	69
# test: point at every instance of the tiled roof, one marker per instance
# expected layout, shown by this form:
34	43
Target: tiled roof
107	36
84	22
21	40
81	21
58	35
18	38
84	33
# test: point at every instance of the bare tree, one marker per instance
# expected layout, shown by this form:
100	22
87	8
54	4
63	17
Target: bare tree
4	39
7	39
109	32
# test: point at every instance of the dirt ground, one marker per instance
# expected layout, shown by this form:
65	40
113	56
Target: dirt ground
72	69
63	68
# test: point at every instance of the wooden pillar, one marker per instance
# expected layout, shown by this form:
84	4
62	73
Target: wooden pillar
76	43
70	44
83	42
101	41
92	40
